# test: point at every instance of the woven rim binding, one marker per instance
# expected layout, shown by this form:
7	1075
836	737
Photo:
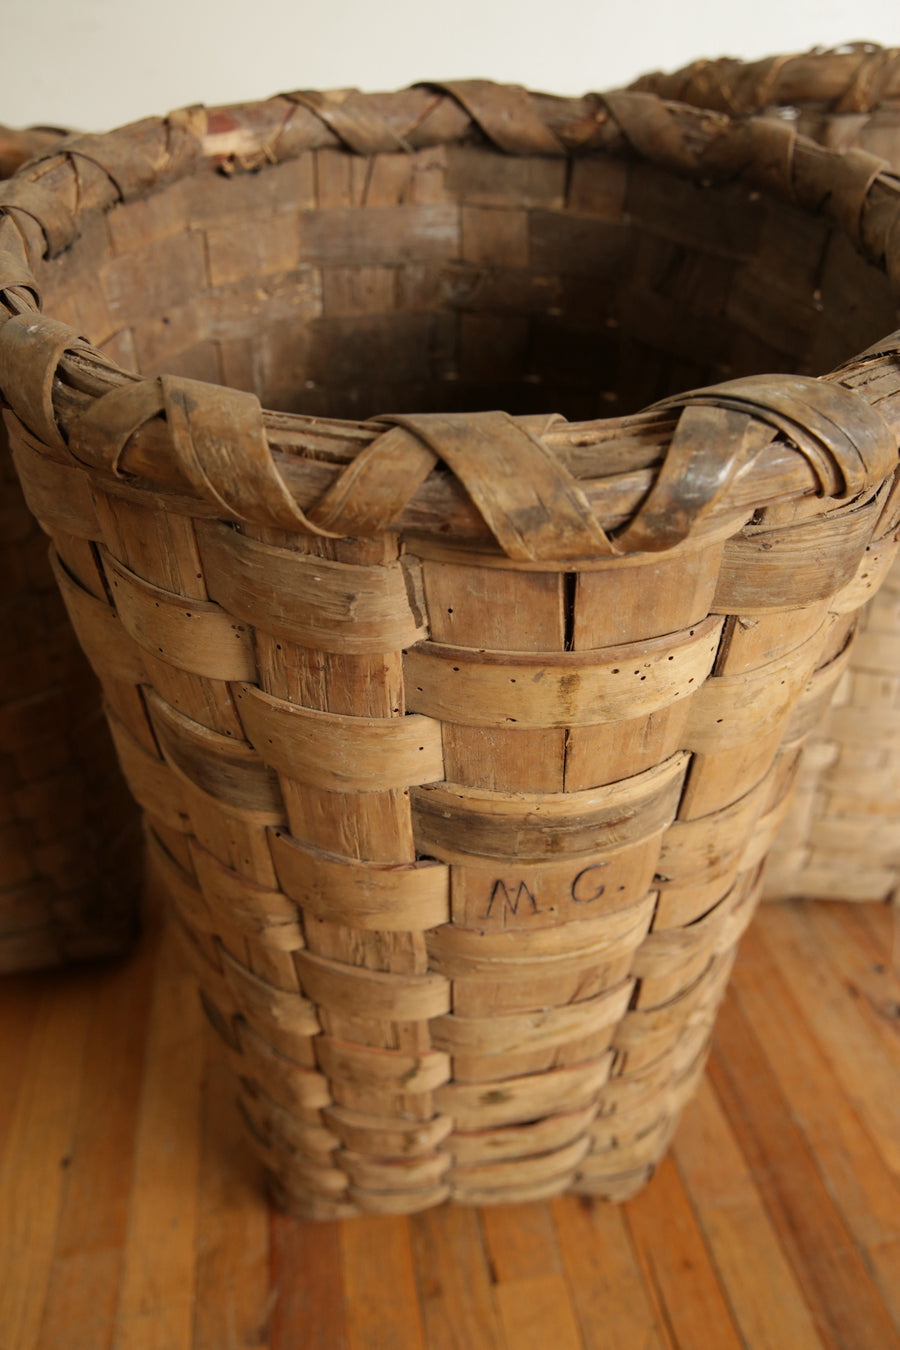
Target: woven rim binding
537	483
17	146
857	78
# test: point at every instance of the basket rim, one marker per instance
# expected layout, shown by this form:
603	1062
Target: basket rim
86	411
851	79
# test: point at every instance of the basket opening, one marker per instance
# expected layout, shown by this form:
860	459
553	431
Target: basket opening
459	278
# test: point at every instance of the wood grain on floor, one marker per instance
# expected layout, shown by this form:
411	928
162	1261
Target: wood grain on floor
131	1217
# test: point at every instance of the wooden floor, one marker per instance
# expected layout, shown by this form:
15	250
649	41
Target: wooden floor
131	1219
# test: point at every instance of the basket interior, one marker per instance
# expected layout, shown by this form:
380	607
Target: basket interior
459	278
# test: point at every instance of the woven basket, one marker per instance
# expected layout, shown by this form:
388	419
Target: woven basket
69	840
841	838
461	736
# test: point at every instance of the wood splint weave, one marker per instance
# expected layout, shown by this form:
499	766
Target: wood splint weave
461	734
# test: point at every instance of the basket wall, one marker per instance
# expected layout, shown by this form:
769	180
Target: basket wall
460	782
69	838
841	838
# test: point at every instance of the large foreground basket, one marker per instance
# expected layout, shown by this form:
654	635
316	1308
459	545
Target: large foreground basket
69	840
461	735
841	837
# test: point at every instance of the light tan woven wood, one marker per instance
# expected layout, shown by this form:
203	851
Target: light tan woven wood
461	734
841	838
69	840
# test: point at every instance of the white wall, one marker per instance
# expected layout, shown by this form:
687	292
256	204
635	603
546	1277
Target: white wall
97	63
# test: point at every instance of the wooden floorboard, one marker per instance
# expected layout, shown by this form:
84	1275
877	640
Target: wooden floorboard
159	1267
677	1264
455	1281
85	1275
132	1218
764	1295
37	1153
307	1292
615	1308
852	1168
233	1271
863	1051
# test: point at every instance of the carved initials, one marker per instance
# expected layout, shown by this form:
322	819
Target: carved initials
499	891
586	887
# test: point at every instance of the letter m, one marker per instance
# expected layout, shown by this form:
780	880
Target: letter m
500	893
